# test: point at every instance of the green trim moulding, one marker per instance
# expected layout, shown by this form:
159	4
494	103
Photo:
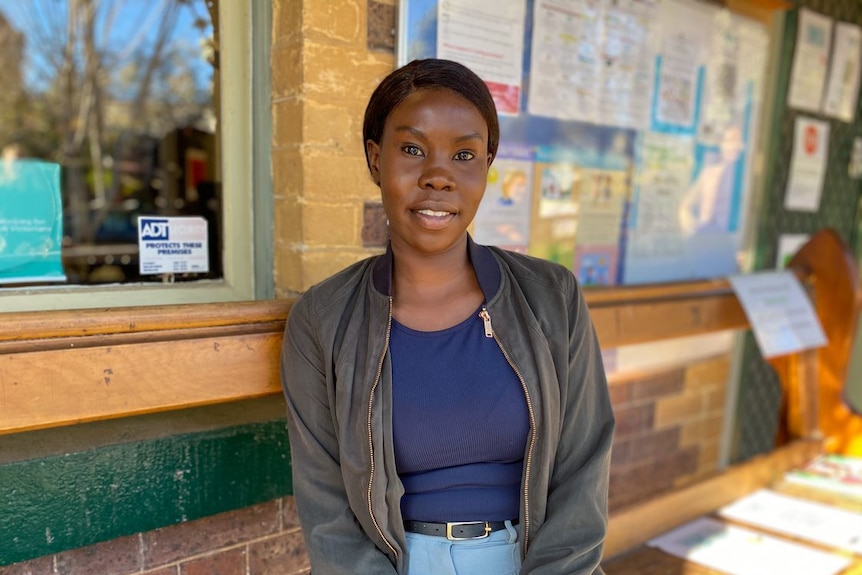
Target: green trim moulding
67	500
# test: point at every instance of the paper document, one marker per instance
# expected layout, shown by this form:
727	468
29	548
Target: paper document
835	473
739	551
809	520
781	315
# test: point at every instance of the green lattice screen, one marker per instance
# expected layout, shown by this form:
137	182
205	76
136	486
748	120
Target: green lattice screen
760	392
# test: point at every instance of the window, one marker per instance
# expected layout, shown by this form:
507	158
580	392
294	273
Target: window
147	109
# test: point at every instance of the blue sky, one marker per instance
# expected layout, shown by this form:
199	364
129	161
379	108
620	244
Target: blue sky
134	24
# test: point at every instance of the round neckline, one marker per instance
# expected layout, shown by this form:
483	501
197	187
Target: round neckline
446	330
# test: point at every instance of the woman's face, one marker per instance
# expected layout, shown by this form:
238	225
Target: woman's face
431	165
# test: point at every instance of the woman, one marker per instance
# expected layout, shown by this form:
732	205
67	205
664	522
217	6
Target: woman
447	406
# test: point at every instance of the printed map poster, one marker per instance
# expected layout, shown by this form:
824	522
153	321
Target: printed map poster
31	222
808	74
487	36
503	218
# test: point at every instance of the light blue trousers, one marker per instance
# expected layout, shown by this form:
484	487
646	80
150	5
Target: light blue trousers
499	554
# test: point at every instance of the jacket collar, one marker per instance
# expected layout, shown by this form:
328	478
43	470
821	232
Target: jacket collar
484	264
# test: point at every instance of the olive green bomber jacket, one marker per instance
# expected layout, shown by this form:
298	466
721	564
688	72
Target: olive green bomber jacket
336	378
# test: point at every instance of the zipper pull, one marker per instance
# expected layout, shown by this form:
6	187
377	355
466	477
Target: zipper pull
486	317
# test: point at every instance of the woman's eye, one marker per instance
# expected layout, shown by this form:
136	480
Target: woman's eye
464	156
412	150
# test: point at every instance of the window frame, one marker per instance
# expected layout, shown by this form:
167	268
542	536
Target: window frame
240	61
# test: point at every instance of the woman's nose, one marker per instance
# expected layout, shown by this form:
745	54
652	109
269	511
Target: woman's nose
436	176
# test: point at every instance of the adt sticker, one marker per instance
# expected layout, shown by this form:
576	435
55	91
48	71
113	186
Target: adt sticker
154	229
173	245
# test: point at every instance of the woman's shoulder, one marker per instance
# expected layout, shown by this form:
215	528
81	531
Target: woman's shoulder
338	286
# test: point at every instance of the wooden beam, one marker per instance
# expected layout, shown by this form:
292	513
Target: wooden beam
56	387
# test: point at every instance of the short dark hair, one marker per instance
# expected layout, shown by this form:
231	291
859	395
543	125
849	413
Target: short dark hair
429	74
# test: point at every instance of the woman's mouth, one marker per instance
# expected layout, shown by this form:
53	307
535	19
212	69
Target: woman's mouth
432	213
433	219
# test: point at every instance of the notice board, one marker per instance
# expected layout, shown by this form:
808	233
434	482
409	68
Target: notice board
627	128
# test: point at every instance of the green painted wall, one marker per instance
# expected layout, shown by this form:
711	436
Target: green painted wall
67	500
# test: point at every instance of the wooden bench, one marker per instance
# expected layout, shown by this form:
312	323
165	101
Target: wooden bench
811	385
69	367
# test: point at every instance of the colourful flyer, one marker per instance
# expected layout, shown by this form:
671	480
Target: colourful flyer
31	222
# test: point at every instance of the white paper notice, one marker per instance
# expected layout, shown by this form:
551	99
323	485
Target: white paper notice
628	56
808	75
740	551
808	165
173	245
683	48
842	88
788	245
565	69
487	36
796	517
780	313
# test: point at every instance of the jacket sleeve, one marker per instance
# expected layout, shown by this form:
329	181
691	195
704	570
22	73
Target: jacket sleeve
570	541
334	540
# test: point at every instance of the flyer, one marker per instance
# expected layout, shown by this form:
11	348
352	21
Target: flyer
842	88
808	73
781	315
487	36
31	222
807	165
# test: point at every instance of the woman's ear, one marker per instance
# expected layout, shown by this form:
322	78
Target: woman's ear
372	151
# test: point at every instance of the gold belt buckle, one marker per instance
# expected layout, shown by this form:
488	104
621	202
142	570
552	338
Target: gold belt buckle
451	537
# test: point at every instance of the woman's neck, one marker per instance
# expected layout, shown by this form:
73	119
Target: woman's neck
434	292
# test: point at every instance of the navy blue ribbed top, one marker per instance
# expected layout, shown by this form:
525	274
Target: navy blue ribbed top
460	424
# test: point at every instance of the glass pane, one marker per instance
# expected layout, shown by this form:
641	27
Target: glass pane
119	96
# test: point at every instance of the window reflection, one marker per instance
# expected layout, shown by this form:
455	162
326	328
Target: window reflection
120	94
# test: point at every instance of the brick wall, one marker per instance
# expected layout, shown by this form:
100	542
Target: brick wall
327	57
260	540
669	426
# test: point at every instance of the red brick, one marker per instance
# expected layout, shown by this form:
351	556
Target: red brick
654	445
172	570
659	385
225	563
289	516
635	483
39	566
634	419
194	537
620	453
115	557
282	555
621	393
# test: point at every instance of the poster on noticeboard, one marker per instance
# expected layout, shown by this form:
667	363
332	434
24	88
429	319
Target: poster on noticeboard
626	153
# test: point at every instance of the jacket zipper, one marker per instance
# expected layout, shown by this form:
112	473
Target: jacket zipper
489	332
370	442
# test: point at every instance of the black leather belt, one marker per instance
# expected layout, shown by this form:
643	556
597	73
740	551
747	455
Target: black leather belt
457	531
